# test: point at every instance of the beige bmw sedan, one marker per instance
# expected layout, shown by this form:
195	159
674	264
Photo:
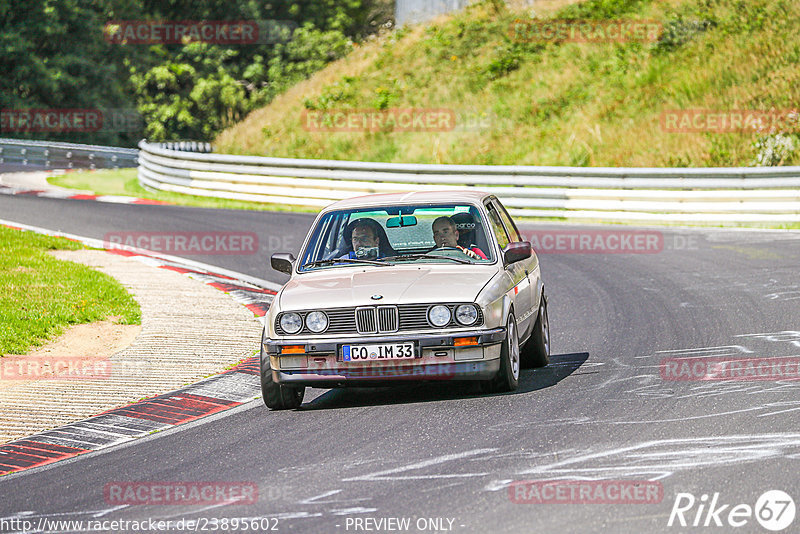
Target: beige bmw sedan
409	286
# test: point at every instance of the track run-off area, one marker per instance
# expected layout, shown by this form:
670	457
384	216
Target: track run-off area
650	445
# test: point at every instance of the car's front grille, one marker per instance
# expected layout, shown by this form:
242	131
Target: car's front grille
387	319
415	317
366	322
379	320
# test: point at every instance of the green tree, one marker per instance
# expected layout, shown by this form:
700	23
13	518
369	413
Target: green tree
50	57
54	55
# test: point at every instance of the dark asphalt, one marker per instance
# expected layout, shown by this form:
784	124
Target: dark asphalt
276	232
599	411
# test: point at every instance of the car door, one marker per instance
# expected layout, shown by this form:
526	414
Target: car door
531	265
518	271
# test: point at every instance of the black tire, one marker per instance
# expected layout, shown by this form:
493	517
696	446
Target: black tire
278	396
536	351
507	378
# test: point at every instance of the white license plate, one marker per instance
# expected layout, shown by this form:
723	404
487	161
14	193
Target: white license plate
365	353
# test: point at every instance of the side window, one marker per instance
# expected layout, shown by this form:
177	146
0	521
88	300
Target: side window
509	224
314	244
334	238
323	244
497	226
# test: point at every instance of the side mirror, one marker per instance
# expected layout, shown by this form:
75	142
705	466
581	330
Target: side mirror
283	262
518	251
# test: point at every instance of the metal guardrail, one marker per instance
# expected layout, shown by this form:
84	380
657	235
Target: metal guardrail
51	155
752	194
414	11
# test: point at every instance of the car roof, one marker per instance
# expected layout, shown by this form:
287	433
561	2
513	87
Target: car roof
469	196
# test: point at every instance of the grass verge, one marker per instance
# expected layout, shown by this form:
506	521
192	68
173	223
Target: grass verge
41	295
124	182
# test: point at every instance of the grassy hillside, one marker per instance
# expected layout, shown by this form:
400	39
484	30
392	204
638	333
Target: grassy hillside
552	103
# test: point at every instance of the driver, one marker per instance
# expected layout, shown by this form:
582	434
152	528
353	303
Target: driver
445	235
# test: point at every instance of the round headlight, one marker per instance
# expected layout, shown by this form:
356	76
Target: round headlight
291	322
467	314
439	315
317	321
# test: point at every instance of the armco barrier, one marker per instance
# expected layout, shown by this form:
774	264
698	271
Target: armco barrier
751	194
43	155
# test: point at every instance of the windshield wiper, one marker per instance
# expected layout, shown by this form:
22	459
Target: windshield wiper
343	260
426	256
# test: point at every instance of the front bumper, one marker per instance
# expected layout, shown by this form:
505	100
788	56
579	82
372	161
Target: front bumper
437	358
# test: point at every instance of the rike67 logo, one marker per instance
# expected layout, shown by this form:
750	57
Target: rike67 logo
774	510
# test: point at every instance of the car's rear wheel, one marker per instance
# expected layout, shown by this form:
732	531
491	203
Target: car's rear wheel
278	396
507	378
536	351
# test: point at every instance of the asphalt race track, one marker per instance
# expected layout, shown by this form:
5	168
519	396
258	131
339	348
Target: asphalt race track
443	457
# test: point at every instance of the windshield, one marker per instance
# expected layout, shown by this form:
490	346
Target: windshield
449	233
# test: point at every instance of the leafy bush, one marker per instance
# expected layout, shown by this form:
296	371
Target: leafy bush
679	31
336	94
309	50
504	59
774	150
600	9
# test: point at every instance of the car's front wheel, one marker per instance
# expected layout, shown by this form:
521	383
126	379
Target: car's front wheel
278	396
536	351
507	378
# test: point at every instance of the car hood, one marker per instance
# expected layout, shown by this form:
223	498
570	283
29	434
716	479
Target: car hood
348	286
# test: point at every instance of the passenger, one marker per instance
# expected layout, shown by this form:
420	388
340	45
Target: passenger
445	235
367	239
465	224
